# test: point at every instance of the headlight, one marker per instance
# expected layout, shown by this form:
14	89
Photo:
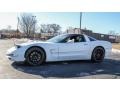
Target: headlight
10	54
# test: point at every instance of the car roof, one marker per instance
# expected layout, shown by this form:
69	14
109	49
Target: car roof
73	34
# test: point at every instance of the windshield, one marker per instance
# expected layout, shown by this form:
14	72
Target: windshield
57	39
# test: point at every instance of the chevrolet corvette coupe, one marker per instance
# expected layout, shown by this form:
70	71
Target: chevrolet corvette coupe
61	48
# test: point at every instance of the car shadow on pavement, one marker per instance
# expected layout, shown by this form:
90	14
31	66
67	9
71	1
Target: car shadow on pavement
71	69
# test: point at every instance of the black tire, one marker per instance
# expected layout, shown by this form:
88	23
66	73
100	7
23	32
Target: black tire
35	56
98	54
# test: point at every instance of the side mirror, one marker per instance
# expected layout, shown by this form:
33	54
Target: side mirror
70	41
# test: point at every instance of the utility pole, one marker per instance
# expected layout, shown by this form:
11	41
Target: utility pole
80	21
17	26
34	18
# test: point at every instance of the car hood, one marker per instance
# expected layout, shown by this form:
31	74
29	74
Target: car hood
33	42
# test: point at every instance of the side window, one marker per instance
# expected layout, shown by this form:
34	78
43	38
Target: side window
74	38
80	38
66	39
91	39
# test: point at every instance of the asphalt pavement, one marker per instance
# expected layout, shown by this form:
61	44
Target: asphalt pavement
108	69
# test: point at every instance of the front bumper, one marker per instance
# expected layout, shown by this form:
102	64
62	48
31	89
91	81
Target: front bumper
15	54
12	58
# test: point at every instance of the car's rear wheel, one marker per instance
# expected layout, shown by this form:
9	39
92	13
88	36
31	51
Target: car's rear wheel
98	54
35	56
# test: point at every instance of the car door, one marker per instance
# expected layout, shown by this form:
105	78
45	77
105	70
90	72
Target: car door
73	50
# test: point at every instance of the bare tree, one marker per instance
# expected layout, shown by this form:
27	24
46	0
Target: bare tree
50	28
55	27
112	33
27	23
44	28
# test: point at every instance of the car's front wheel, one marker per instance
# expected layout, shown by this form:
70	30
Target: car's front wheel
35	56
98	54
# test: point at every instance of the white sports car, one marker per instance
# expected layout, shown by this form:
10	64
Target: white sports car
61	48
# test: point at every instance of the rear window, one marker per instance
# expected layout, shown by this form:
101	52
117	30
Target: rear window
91	38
